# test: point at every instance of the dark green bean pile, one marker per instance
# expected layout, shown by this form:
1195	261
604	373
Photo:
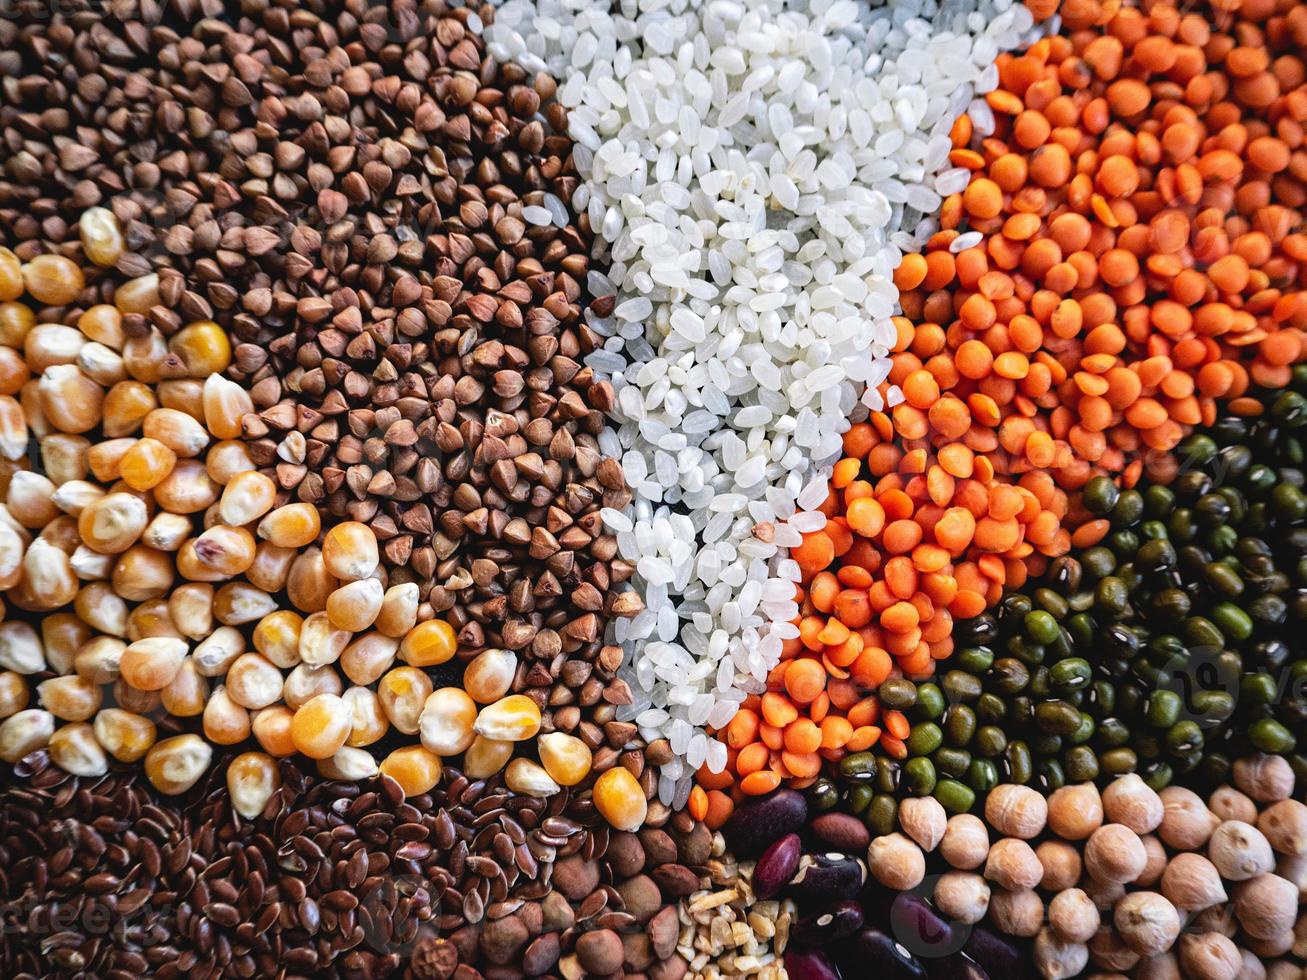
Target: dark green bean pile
1172	647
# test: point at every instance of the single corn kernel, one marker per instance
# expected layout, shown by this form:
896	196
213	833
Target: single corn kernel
429	644
125	736
151	664
354	606
529	778
270	570
271	727
225	403
253	681
16	321
218	554
187	489
619	798
186	395
64	456
511	719
246	498
101	608
13	427
350	764
31	499
70	401
403	693
176	764
367	717
151	618
30	399
304	683
227	458
143	573
89	565
74	496
167	532
188	693
178	431
291	526
146	464
20	648
446	721
14	695
309	583
53	280
202	347
399	609
74	749
103	323
415	769
138	295
62	635
349	550
102	237
25	732
238	603
191	608
100	660
218	651
252	778
565	757
225	722
490	674
321	643
62	533
11	558
11	275
485	757
71	698
368	657
277	637
321	726
101	364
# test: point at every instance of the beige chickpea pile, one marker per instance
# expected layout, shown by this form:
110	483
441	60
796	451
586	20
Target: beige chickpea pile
167	576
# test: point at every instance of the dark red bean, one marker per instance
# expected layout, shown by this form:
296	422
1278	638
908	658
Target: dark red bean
777	866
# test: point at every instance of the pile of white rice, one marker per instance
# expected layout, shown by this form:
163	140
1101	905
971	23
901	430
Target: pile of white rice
755	169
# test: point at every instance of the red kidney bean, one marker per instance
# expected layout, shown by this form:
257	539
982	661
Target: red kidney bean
958	967
875	953
831	924
777	866
826	877
921	929
810	964
842	831
756	824
998	956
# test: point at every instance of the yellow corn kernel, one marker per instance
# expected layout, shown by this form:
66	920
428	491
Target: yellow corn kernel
529	778
48	580
321	642
31	499
368	657
253	681
146	464
304	683
490	674
446	721
203	348
53	280
309	583
143	573
277	637
62	533
14	695
176	764
25	732
30	399
112	523
70	401
101	364
252	778
511	719
354	606
219	553
271	727
138	295
218	651
619	798
103	324
187	693
191	608
225	722
90	566
100	659
485	757
167	531
565	757
11	275
349	764
187	489
403	692
152	663
176	430
237	603
104	457
246	498
186	395
415	769
225	403
270	570
151	618
399	609
11	558
62	635
20	647
14	373
227	458
71	698
349	550
428	644
73	496
64	456
292	526
16	321
368	720
124	735
102	609
49	344
13	427
321	726
74	749
102	237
